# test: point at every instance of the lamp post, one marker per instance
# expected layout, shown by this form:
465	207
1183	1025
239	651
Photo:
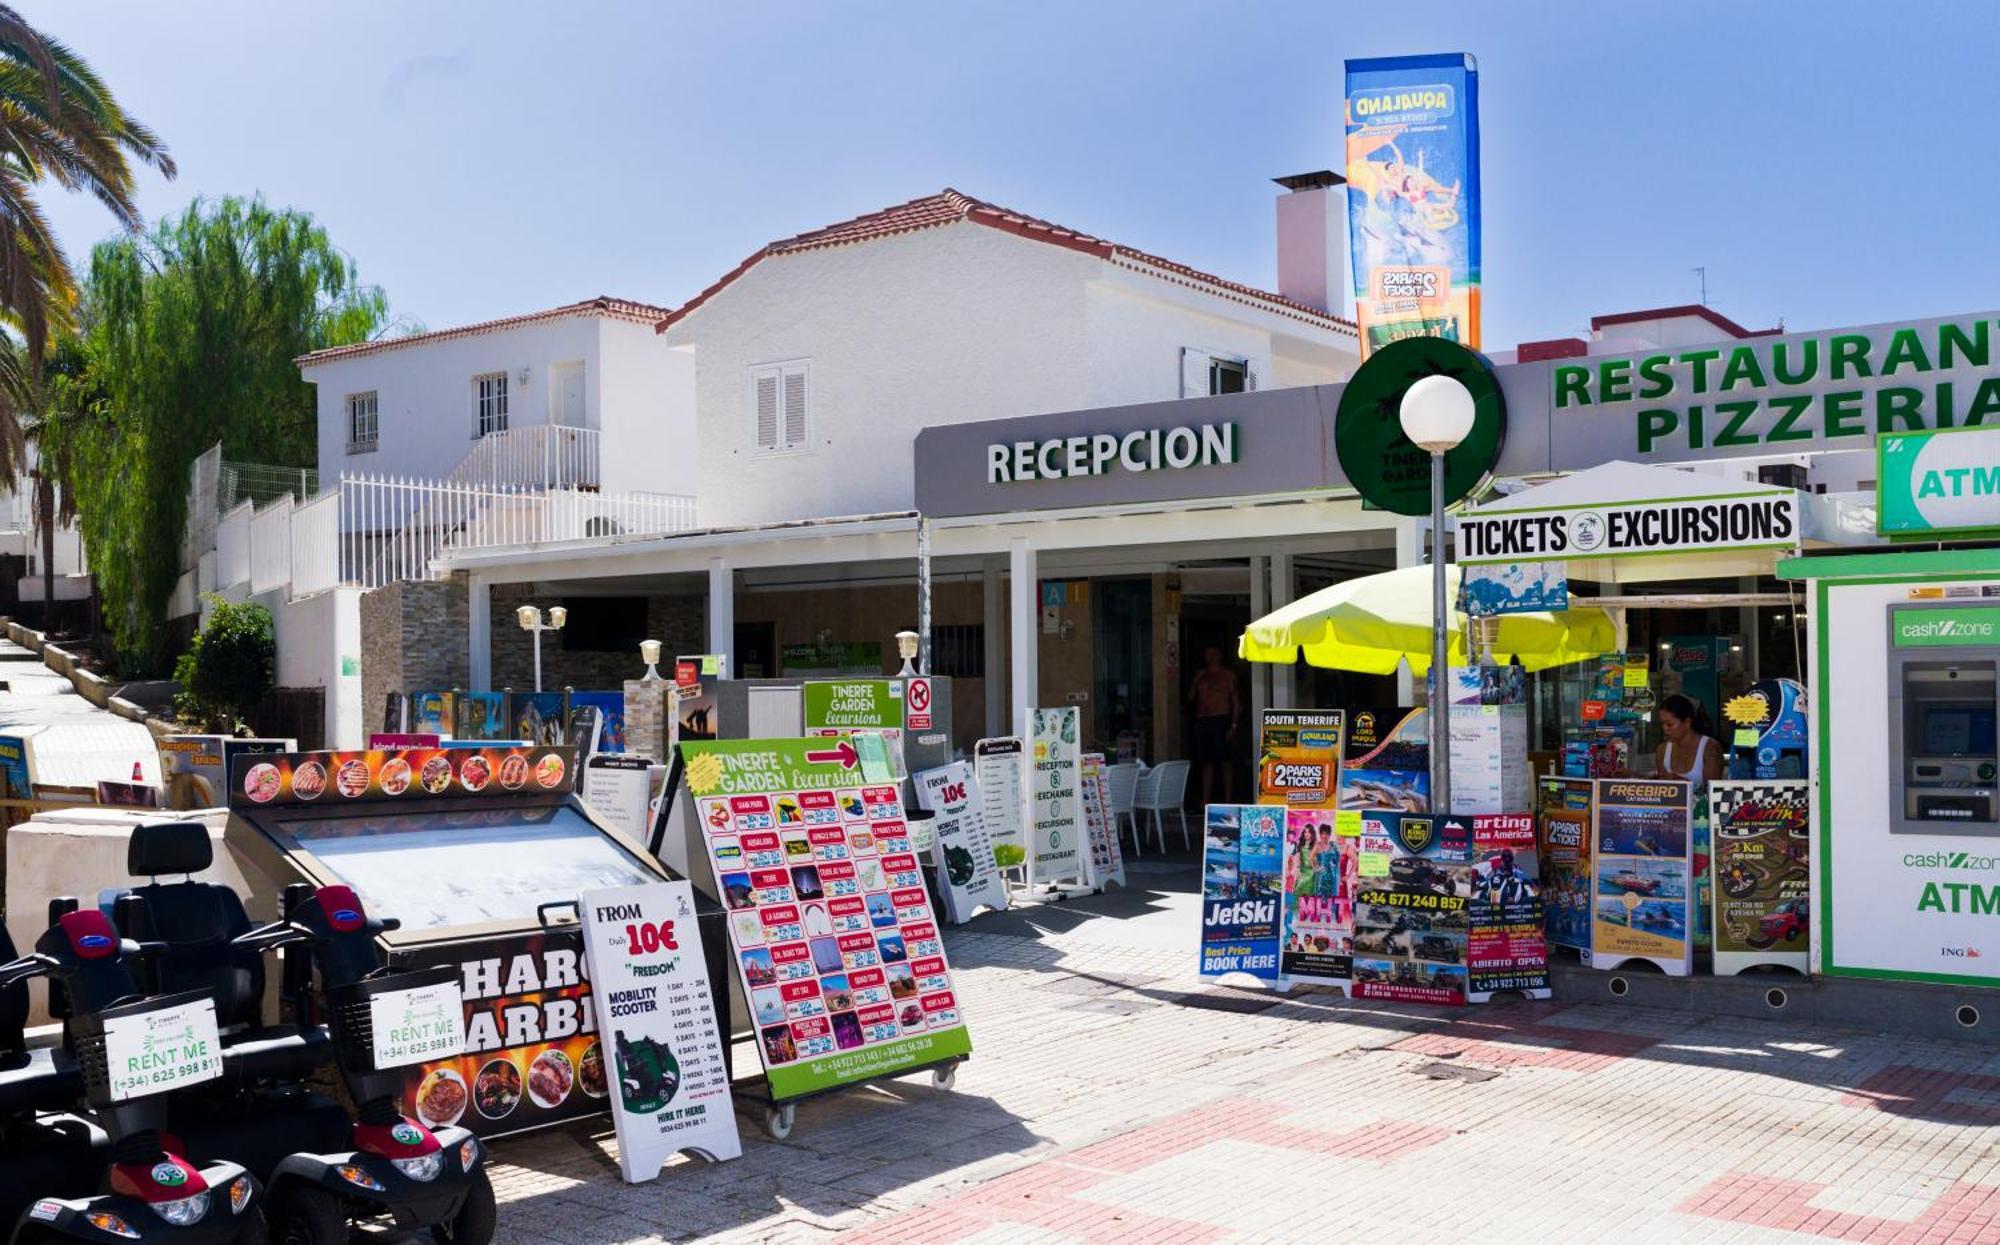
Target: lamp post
1436	414
530	618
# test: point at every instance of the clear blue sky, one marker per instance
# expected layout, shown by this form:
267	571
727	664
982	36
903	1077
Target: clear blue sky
1829	163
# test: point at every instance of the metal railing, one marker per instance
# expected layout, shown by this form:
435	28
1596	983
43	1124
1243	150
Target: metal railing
204	506
551	456
261	482
232	546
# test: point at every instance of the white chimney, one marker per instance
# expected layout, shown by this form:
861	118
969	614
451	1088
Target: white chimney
1312	240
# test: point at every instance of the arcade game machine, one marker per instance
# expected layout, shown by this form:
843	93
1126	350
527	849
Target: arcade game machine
480	854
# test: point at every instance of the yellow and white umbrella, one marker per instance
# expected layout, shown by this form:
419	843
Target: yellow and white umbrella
1372	624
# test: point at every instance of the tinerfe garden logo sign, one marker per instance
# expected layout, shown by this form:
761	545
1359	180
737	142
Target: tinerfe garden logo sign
1747	521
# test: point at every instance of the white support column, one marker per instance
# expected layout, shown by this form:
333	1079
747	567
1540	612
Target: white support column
1024	601
1409	552
1260	672
992	586
478	636
722	612
1284	679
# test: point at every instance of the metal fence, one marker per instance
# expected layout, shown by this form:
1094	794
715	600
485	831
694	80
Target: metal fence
261	482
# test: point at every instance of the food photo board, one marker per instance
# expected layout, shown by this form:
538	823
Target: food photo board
836	945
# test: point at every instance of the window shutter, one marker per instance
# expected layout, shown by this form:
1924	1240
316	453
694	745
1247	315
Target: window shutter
1249	378
795	409
1194	372
767	412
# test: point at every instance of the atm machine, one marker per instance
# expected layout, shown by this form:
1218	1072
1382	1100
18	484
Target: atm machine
1943	706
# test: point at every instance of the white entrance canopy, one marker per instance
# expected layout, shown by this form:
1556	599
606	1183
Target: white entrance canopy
1627	523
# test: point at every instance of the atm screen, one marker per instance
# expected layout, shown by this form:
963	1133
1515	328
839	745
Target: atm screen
1957	730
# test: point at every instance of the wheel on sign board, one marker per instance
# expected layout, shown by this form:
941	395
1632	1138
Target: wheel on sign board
778	1121
945	1077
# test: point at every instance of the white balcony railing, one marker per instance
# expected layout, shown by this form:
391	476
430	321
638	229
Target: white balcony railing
548	456
271	546
316	545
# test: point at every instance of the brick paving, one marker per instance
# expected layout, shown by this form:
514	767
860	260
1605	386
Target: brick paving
1101	1106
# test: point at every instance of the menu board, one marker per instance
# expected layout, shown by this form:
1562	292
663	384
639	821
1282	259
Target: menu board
1241	876
1316	940
1641	869
339	778
1298	763
997	770
837	947
1564	841
1506	948
1056	830
1107	861
1411	928
967	876
619	789
1760	830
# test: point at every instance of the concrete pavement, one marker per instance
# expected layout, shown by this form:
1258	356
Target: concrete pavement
75	743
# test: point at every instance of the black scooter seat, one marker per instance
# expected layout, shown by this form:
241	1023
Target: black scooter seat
275	1052
39	1080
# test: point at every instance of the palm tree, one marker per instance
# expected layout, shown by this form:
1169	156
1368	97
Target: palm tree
58	122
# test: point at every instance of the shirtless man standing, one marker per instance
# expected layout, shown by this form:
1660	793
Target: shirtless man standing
1216	708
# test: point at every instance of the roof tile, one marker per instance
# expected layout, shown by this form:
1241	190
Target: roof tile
603	305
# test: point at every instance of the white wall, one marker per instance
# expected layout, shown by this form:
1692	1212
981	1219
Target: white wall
424	394
1135	334
319	643
646	393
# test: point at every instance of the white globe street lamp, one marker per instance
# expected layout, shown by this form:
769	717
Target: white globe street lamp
1437	413
530	618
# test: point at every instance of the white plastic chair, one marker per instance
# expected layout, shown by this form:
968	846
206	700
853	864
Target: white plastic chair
1161	790
1121	783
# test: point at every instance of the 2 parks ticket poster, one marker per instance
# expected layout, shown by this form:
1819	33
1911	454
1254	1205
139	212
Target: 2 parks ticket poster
835	941
1565	842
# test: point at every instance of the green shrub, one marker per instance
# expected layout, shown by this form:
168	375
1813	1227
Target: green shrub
229	668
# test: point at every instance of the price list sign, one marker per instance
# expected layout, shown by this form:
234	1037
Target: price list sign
662	1056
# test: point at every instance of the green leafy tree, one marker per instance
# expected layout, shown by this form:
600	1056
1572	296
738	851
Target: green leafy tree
229	668
194	329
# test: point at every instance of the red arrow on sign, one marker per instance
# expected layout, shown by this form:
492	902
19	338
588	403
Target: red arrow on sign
845	754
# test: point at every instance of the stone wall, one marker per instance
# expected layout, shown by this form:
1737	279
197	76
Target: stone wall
678	622
413	638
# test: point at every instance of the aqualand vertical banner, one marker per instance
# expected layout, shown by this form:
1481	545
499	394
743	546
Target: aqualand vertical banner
1413	197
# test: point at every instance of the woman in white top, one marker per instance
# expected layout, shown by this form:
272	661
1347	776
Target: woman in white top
1687	751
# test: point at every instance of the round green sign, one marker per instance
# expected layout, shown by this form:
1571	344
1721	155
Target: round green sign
1368	435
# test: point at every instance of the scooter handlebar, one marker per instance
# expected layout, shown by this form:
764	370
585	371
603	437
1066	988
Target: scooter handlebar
272	936
14	972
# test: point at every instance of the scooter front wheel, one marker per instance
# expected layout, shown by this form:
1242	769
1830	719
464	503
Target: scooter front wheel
303	1215
476	1217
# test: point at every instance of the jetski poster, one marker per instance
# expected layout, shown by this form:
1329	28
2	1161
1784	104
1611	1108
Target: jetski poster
1762	884
1411	929
1413	197
1241	885
1317	940
1506	948
1642	874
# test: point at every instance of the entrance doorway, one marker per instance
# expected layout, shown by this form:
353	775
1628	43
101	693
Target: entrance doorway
1215	623
1122	625
756	651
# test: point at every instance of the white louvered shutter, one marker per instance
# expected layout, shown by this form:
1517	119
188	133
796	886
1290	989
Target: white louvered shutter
795	409
1194	372
767	411
1249	378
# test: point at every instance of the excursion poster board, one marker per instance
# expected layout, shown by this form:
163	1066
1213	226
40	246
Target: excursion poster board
835	942
434	713
968	878
1316	939
1507	948
996	768
482	715
1387	765
1564	840
1107	861
610	708
1298	758
1241	877
1760	831
1055	813
538	717
655	1010
1411	927
1642	869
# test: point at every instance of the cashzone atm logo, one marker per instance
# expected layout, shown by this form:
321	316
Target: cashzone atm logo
1947	627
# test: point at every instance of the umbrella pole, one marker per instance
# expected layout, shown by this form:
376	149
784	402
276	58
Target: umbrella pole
1440	705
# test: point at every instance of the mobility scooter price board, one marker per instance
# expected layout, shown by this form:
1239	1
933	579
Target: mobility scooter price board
834	937
161	1048
480	854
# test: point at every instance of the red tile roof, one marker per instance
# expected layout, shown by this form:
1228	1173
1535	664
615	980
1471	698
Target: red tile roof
1696	310
603	305
949	206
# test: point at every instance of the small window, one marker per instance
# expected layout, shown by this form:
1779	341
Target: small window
779	395
1207	373
361	425
489	403
1227	376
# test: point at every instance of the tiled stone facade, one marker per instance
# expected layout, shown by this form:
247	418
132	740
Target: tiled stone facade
677	622
646	709
412	639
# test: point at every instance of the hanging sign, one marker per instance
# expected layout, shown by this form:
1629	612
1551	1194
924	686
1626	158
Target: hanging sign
1495	588
836	944
1506	948
1642	868
1760	833
655	1009
1623	528
1298	761
1056	843
997	770
968	878
1316	940
1379	461
1241	880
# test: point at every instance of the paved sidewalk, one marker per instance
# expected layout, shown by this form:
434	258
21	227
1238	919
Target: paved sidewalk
1113	1096
76	744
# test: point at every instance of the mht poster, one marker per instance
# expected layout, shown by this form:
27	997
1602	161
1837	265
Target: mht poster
838	949
1316	941
1565	842
1240	882
1411	926
1759	831
1298	761
1641	870
1506	947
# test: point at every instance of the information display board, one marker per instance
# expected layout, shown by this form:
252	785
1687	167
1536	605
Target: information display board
1316	939
1055	853
1565	840
836	945
1411	926
1107	858
997	765
1298	758
654	1005
968	878
1642	874
1506	949
1241	876
1761	836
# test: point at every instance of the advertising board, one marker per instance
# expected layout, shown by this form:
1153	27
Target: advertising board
1761	834
1241	879
1298	758
1641	870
